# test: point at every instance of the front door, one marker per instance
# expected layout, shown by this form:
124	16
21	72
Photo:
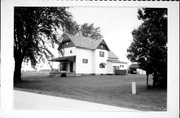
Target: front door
71	66
63	67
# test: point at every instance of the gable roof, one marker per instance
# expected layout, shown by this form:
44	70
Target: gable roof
83	42
113	58
112	55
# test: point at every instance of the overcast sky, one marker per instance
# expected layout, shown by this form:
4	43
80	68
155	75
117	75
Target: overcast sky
116	25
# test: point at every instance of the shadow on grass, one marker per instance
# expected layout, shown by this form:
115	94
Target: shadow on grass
27	82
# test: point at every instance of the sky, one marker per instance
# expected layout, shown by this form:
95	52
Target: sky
116	25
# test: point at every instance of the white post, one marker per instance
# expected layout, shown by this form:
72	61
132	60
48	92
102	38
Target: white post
134	88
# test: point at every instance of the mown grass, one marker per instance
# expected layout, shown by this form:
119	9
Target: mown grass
105	89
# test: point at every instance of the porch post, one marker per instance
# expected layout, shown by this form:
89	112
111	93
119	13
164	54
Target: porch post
59	68
68	66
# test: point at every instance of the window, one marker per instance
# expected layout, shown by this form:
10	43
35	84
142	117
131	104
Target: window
70	51
67	43
116	68
101	54
122	66
102	46
102	65
85	61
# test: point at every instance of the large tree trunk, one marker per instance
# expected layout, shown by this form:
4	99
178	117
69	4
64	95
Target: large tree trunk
147	81
155	80
17	69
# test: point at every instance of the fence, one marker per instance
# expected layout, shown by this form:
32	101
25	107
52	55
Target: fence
120	72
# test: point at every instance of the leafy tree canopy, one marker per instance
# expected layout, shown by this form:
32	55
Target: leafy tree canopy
34	29
88	30
149	46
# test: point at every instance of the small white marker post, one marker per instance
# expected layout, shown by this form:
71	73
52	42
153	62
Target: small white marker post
134	88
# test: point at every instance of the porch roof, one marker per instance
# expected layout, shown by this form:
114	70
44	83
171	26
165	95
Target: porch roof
134	66
116	61
63	59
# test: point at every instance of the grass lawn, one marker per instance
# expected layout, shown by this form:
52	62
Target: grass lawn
106	89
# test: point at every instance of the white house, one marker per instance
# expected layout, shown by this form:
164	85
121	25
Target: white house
84	55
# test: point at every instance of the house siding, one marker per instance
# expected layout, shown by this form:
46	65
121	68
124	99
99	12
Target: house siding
94	61
83	68
123	66
109	68
99	60
67	51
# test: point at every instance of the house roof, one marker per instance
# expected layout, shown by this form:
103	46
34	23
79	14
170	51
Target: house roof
112	55
116	61
113	58
63	59
84	42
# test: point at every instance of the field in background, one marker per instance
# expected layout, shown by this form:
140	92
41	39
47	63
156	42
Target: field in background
106	89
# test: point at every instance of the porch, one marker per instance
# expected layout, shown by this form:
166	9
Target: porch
66	66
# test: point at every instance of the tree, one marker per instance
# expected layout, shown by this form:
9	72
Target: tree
34	29
90	31
149	46
86	30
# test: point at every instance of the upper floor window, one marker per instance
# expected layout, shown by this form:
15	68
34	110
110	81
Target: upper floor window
70	51
101	54
85	60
